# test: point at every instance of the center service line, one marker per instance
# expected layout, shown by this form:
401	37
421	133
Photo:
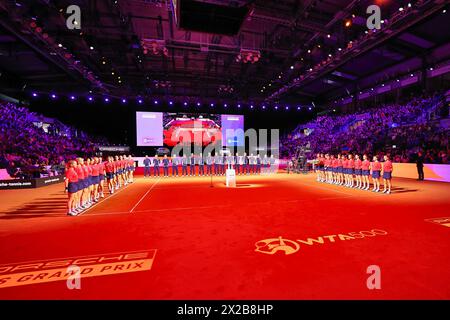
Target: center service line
140	200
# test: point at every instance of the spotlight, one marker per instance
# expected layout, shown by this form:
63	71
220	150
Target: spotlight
140	101
155	102
90	98
225	105
287	108
72	98
171	102
298	108
400	9
124	101
34	94
412	75
264	107
251	107
60	45
329	36
106	99
198	104
91	47
53	96
276	107
348	23
212	104
239	105
185	103
309	108
292	67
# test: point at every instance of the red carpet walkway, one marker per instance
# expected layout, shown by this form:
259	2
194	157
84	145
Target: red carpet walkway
193	241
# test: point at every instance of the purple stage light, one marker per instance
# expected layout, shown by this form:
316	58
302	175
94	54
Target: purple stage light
251	107
171	102
124	101
72	98
53	96
185	103
309	108
198	104
140	101
298	108
34	94
90	99
264	107
239	105
106	99
212	104
155	102
276	107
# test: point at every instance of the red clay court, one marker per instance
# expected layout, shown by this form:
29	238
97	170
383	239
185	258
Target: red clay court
198	241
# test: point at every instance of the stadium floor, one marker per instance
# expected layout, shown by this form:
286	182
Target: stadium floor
193	241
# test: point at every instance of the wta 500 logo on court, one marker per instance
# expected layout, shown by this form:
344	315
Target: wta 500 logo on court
280	245
25	273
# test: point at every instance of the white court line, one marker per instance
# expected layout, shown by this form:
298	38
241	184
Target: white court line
151	188
81	213
314	186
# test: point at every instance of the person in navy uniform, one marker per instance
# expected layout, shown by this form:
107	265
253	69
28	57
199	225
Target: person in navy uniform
258	164
201	168
237	163
216	164
175	163
165	162
272	163
184	163
192	165
229	161
224	164
147	163
246	168
156	163
252	162
209	161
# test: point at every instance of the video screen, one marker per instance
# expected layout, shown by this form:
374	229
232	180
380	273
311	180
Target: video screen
171	128
149	129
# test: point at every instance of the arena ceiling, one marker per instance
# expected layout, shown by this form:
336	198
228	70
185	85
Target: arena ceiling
107	54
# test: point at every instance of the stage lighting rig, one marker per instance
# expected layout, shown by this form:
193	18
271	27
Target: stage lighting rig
248	56
154	47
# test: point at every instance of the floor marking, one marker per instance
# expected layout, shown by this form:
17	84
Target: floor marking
312	185
70	257
109	197
151	188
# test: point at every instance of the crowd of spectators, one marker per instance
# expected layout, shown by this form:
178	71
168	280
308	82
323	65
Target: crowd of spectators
29	147
398	130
